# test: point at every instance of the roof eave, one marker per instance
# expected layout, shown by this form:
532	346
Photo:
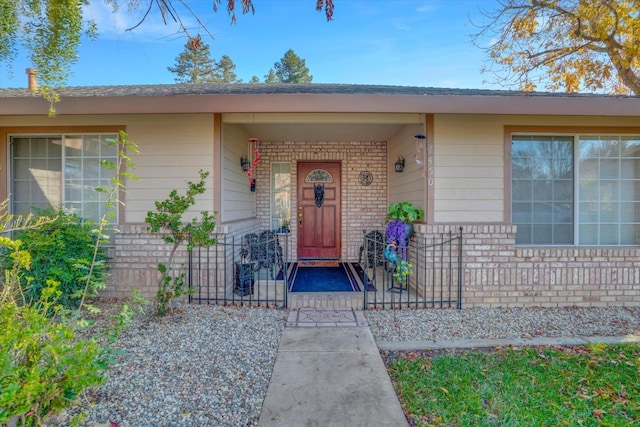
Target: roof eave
328	103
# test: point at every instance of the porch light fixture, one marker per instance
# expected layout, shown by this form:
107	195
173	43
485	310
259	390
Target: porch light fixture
400	164
245	163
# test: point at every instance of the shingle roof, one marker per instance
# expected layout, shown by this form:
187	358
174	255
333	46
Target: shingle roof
277	88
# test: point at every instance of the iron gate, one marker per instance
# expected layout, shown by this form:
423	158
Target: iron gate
426	273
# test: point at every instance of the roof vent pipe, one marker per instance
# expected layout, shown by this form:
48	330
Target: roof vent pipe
33	85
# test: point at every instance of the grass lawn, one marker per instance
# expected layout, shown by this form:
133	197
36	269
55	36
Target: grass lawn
597	385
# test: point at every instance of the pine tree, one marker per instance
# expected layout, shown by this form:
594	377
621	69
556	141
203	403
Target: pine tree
290	69
194	64
223	71
271	77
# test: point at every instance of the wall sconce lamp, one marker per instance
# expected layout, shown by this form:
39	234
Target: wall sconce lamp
245	163
400	164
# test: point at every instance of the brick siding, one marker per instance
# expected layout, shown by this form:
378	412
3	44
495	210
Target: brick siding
362	206
136	253
499	274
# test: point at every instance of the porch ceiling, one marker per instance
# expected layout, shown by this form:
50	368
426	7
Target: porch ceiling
323	131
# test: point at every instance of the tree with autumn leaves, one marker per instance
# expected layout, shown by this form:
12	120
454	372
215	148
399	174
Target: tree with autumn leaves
564	45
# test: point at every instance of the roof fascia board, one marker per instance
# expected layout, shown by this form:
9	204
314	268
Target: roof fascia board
364	118
331	103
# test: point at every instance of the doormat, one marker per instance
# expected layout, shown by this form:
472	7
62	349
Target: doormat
343	277
319	263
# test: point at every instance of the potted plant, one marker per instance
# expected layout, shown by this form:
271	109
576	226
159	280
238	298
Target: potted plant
402	272
400	216
405	212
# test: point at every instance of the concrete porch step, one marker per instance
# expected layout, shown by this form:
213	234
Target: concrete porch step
309	317
326	300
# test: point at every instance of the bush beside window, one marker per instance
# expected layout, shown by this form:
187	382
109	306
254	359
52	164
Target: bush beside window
62	250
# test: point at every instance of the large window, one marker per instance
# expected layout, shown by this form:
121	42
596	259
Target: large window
61	171
581	190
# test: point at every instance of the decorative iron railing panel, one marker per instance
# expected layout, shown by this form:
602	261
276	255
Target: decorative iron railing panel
241	270
253	269
426	273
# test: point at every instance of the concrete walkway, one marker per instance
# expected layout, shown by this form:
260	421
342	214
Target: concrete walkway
329	372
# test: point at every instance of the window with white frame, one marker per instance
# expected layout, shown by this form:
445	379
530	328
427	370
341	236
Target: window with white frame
281	196
61	171
576	189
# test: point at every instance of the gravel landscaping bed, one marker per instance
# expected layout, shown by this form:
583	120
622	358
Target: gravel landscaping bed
478	323
199	366
210	366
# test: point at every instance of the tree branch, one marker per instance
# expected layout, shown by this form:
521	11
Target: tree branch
144	17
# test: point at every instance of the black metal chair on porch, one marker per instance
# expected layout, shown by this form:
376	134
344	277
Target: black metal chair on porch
374	242
263	251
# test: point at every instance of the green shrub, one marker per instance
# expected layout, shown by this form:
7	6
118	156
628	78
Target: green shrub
168	221
43	365
62	250
47	276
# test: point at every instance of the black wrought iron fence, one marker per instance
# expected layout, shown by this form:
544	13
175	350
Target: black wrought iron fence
249	269
254	269
426	273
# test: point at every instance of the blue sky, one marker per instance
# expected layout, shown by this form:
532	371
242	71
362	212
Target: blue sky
390	42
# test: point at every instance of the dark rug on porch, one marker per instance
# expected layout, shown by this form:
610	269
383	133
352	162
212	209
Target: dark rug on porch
318	263
344	277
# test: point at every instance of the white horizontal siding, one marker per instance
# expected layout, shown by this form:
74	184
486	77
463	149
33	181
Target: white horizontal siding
446	185
408	185
470	164
469	158
173	148
469	169
470	194
238	202
463	173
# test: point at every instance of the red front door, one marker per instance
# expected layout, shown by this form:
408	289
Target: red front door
318	210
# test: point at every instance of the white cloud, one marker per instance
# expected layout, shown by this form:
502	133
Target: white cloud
428	7
401	26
